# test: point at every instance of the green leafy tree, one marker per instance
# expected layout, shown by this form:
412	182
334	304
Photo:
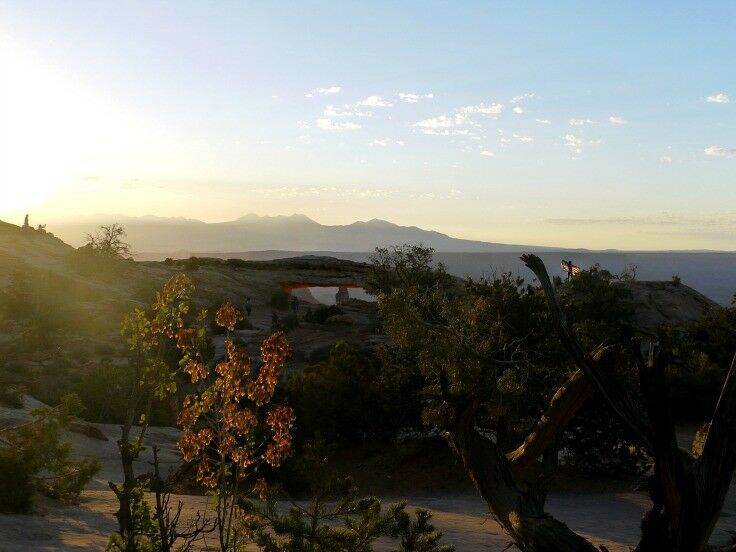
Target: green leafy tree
160	344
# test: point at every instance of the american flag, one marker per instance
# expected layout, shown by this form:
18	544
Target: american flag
567	266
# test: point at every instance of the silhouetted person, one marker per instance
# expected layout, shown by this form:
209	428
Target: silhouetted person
274	320
248	306
295	304
25	222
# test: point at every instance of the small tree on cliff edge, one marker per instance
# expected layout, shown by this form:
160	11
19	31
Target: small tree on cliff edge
108	241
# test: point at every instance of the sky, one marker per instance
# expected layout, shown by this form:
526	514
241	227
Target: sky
575	124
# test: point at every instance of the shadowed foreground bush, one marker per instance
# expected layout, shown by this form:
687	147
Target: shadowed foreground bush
33	457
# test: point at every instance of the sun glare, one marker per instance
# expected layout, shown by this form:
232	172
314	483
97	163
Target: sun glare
56	131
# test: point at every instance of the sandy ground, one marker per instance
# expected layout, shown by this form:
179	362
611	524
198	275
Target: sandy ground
606	518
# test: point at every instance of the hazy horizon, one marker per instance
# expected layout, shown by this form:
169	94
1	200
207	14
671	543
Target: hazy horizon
533	124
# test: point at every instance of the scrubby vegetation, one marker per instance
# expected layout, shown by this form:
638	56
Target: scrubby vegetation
322	313
35	458
343	399
280	300
335	519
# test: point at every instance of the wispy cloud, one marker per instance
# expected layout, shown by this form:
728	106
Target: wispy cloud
522	97
329	124
446	132
445	125
442	121
581	122
374	101
543	121
483	109
617	120
720	98
487	153
573	143
665	159
383	142
522	138
408	97
328	91
518	110
331	111
720	151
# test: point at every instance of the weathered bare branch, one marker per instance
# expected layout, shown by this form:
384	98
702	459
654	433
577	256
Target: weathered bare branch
566	401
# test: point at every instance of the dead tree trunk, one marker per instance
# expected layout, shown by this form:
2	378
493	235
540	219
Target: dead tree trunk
515	494
517	505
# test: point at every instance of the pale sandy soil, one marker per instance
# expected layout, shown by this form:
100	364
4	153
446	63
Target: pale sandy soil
607	518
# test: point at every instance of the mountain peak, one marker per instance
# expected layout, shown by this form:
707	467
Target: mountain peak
296	217
376	223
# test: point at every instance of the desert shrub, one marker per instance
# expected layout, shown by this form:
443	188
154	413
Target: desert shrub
36	455
101	391
10	396
191	264
340	399
168	261
336	519
629	272
676	280
322	313
89	262
701	354
699	363
288	322
236	263
280	300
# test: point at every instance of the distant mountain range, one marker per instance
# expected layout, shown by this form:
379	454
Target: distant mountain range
713	273
176	236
